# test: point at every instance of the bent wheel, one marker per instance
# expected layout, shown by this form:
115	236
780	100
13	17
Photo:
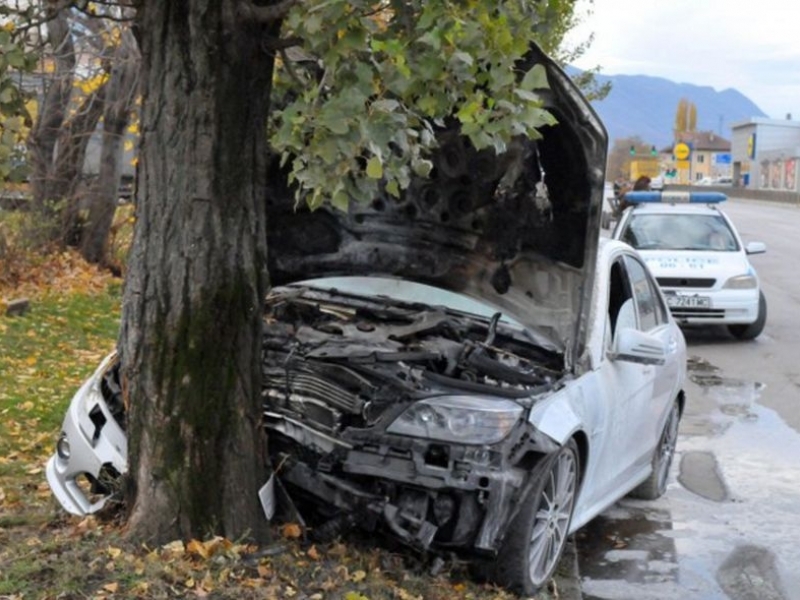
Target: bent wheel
536	538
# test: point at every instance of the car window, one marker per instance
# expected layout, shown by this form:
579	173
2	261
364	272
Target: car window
649	306
680	232
621	310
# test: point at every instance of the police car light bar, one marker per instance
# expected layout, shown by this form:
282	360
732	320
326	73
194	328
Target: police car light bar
675	197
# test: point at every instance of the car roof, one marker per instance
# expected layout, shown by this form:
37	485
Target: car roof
681	208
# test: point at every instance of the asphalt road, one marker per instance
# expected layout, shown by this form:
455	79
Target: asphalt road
728	527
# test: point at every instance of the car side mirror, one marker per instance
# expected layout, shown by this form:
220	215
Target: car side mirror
755	248
632	345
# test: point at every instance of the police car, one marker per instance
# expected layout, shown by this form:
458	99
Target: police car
698	259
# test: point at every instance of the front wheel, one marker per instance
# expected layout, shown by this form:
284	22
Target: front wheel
536	538
654	486
753	330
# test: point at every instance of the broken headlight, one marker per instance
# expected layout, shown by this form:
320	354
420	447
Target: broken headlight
460	419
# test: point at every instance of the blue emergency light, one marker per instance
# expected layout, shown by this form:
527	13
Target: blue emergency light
675	197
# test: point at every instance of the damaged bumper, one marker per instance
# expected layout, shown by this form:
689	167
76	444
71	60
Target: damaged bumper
91	451
425	493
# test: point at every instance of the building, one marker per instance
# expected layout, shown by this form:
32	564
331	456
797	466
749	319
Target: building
765	154
698	155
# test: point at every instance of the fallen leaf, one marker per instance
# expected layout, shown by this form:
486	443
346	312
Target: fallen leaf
264	571
176	548
291	531
197	547
111	587
358	576
313	553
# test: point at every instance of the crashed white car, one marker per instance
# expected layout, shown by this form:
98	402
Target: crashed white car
698	259
467	369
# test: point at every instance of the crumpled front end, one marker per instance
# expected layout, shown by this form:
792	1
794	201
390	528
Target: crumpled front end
402	417
92	449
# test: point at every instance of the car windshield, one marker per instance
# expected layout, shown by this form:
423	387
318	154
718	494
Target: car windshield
680	232
407	291
410	291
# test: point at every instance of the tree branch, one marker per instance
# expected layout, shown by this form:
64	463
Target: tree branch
265	14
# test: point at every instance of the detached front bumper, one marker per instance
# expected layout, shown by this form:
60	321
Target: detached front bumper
92	447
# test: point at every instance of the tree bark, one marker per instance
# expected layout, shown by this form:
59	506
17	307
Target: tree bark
191	333
45	133
103	196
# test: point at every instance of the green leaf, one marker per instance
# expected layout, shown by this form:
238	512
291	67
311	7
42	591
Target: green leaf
535	79
422	167
6	95
393	188
374	168
526	95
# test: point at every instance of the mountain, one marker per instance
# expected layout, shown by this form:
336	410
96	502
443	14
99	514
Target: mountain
644	106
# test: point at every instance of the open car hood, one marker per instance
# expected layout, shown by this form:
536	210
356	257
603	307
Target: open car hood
518	231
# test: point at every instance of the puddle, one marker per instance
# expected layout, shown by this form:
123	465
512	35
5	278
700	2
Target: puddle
726	529
631	543
734	397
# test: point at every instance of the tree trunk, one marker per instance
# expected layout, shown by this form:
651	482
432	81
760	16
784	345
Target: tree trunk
44	134
191	331
102	200
58	145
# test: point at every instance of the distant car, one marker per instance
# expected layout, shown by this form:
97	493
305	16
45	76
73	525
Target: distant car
463	369
698	259
718	181
657	183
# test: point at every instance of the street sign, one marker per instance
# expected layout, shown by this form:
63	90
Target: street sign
681	151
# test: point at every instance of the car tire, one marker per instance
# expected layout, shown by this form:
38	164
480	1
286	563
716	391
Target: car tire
537	536
656	484
753	330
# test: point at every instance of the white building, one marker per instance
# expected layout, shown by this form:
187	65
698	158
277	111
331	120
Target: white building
766	154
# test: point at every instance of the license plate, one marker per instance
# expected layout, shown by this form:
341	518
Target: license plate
675	301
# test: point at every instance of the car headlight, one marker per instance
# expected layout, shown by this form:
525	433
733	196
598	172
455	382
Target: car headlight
742	282
460	419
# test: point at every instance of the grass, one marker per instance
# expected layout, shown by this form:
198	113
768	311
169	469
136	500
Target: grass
46	554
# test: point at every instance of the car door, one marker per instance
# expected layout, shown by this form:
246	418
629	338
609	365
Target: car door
655	396
635	392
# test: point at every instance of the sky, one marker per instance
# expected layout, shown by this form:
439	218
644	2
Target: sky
753	47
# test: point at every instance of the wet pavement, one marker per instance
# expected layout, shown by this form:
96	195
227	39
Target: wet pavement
728	526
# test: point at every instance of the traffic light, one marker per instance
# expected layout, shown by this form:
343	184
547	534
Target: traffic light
653	151
633	150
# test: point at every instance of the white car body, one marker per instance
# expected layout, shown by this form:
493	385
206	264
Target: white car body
619	403
703	285
88	446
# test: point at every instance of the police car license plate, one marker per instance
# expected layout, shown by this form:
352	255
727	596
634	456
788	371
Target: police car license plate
675	301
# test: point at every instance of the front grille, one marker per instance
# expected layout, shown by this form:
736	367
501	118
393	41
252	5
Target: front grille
329	385
686	282
698	313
